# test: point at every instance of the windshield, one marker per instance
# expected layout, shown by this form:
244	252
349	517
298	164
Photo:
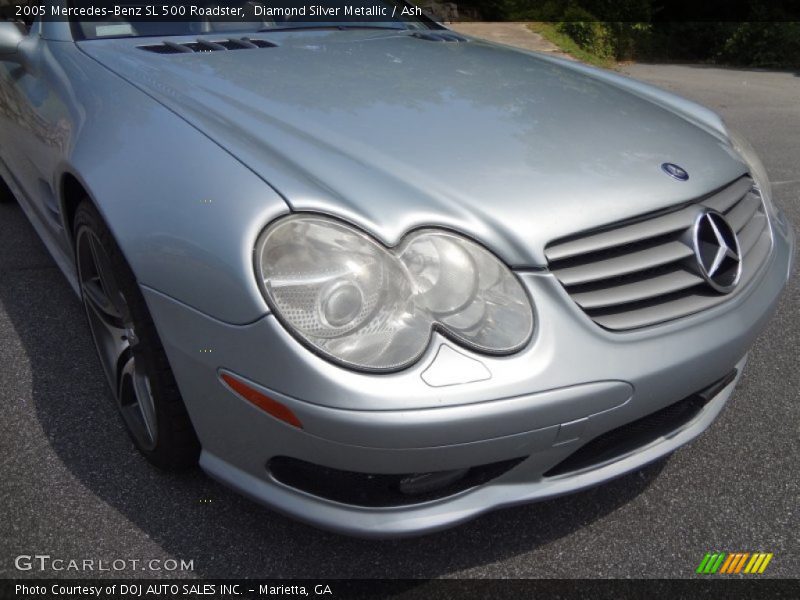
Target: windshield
143	18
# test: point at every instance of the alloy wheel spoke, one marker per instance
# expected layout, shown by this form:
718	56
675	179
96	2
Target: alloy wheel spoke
146	404
116	339
101	305
126	374
108	282
136	401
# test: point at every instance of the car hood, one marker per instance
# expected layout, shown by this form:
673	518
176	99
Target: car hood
393	132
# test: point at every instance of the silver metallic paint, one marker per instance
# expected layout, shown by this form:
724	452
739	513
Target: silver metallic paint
189	157
10	39
325	119
519	486
134	156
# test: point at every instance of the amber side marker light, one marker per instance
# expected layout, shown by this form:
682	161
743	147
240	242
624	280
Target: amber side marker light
265	403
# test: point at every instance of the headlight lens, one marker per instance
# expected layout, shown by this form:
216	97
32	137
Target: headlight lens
754	164
370	307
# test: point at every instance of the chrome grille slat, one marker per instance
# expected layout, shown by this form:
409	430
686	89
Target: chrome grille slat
683	304
751	233
637	291
643	272
643	230
741	214
724	200
624	264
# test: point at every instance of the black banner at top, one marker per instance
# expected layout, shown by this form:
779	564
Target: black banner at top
293	12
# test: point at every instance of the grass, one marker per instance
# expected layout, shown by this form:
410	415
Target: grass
550	32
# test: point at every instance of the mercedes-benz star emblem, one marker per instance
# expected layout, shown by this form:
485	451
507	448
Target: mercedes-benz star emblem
675	171
717	251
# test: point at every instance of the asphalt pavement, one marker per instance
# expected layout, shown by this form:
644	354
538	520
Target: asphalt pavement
73	487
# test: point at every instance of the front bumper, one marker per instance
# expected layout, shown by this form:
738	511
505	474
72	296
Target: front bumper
573	383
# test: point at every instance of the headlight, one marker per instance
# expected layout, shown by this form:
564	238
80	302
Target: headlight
754	164
370	307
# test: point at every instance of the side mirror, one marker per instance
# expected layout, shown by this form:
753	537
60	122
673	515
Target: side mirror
10	38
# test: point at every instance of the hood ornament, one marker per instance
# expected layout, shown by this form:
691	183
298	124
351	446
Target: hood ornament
717	251
675	171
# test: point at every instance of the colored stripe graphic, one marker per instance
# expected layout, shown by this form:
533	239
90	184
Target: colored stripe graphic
711	563
734	562
737	563
755	563
718	563
742	558
727	564
764	564
703	563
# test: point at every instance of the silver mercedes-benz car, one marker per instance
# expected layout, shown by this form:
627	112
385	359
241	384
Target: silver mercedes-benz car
380	276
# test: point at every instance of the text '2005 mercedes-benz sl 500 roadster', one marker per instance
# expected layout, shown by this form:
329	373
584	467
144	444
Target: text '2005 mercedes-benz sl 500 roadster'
381	276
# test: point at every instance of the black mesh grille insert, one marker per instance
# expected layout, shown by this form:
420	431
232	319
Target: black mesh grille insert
629	437
439	36
162	49
204	45
375	490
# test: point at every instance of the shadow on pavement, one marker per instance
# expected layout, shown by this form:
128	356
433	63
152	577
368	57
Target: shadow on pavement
229	536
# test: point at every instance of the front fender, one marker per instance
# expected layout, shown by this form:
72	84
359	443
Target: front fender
185	212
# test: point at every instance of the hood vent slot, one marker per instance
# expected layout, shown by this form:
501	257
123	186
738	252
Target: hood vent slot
203	45
439	36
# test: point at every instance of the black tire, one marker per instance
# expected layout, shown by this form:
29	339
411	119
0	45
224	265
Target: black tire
170	441
6	197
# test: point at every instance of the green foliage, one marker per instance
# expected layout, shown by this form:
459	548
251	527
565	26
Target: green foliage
550	32
555	10
586	31
754	44
762	44
649	29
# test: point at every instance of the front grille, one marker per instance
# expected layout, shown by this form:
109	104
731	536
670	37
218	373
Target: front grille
379	490
643	272
637	434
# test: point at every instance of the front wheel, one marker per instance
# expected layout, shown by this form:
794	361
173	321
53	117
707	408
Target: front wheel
129	347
